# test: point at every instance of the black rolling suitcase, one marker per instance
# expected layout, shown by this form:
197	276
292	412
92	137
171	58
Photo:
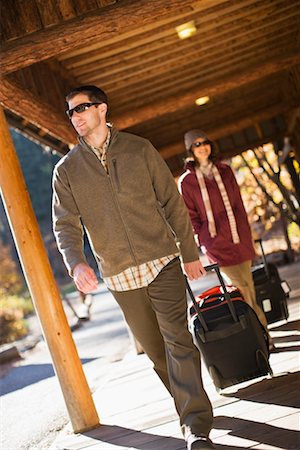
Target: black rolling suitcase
231	339
271	291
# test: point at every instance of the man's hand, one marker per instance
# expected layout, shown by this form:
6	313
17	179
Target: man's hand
194	270
85	278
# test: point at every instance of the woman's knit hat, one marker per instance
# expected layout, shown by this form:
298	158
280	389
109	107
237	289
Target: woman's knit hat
191	136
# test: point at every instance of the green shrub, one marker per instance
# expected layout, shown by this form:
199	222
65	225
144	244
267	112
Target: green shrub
13	311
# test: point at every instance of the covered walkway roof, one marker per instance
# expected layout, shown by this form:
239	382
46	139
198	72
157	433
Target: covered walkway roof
244	55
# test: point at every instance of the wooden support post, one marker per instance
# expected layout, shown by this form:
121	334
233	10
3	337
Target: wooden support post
43	288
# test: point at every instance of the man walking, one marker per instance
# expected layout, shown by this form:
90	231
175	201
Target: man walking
117	187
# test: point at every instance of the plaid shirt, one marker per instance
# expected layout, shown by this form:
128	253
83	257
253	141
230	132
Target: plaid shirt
100	152
138	276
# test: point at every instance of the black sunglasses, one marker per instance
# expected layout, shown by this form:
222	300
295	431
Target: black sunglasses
80	108
200	144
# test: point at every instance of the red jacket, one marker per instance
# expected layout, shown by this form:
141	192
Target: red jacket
220	249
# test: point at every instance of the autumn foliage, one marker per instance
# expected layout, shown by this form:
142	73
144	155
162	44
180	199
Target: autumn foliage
14	306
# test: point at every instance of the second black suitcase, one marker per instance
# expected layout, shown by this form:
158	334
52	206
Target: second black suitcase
271	291
231	339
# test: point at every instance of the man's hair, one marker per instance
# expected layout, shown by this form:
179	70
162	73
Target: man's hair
94	94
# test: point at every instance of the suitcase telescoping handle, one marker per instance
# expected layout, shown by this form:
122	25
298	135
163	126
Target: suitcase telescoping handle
264	259
196	306
216	268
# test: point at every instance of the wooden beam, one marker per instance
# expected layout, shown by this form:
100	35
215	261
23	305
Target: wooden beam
103	24
35	110
234	127
172	104
43	289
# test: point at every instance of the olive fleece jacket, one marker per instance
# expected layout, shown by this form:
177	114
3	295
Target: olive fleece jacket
132	215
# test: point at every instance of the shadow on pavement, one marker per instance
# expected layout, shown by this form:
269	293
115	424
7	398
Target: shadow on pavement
260	432
294	325
126	437
280	390
22	376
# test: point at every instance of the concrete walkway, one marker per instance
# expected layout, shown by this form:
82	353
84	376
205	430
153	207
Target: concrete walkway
137	413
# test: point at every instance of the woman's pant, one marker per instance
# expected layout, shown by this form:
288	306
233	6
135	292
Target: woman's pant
240	275
157	316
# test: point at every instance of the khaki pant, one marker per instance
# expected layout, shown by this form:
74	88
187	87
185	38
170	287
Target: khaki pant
240	275
157	316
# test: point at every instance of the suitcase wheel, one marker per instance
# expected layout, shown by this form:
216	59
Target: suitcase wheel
263	363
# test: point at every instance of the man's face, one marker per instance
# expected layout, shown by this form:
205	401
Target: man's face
87	121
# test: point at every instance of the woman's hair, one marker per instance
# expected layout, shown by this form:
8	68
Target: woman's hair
94	94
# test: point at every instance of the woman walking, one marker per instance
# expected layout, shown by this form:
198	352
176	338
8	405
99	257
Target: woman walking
212	196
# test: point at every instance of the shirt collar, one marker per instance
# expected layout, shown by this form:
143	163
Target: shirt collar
97	150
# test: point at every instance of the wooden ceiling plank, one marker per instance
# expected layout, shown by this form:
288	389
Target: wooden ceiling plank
169	105
108	58
162	80
236	55
201	120
149	31
120	50
28	15
175	55
65	79
101	24
84	6
294	79
215	41
234	104
120	100
118	103
19	17
66	9
187	76
33	109
134	44
233	127
50	14
44	81
25	78
187	83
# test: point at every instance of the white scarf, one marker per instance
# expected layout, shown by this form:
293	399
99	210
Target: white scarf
206	200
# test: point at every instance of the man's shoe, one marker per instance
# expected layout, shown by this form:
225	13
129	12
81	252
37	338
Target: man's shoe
194	442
